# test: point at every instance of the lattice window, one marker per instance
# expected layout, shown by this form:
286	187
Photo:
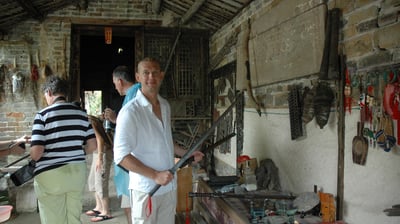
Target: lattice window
159	46
225	94
185	72
184	82
185	78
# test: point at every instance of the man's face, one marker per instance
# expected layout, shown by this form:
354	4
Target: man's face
150	76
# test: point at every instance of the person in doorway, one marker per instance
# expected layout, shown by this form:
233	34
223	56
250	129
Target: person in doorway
98	180
14	147
124	83
61	137
143	145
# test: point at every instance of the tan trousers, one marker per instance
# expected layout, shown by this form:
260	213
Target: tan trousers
60	192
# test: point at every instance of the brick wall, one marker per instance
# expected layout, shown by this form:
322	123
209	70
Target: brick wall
16	112
369	34
48	44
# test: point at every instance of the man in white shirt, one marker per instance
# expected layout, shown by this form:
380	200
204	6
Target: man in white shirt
144	146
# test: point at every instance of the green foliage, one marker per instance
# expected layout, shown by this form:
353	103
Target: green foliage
93	102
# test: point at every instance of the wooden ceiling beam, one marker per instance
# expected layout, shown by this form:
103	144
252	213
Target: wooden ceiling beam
31	9
190	13
105	21
157	6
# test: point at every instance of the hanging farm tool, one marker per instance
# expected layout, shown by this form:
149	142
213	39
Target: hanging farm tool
308	104
360	143
330	59
333	69
322	103
295	110
243	57
348	100
385	135
34	76
360	146
391	100
323	72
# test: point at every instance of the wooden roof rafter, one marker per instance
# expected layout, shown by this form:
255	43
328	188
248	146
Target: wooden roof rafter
31	9
156	6
192	11
199	14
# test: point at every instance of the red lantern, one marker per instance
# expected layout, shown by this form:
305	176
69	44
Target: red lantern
108	34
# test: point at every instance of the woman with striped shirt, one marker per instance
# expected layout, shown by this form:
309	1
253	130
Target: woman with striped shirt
61	137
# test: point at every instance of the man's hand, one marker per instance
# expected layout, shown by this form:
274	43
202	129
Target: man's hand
23	139
110	115
163	177
197	155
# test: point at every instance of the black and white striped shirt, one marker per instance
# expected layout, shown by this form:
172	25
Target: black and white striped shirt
62	129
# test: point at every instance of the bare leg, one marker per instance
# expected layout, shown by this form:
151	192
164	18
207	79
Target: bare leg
128	215
106	208
125	204
105	212
99	205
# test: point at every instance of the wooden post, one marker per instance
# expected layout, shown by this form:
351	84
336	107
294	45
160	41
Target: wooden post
341	134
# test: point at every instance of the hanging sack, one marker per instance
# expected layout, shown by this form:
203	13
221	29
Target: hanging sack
23	174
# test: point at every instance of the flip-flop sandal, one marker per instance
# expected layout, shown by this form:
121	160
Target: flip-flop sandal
100	218
92	212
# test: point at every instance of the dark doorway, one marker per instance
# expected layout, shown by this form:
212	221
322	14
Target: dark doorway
98	60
